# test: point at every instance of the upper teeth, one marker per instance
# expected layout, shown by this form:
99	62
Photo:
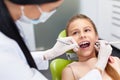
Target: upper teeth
83	42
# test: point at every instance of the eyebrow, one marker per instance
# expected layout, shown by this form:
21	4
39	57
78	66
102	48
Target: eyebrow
88	27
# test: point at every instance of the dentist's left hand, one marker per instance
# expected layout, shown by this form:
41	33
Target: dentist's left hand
60	47
104	52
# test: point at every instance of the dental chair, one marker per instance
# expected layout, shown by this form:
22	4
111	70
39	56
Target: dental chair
58	64
56	67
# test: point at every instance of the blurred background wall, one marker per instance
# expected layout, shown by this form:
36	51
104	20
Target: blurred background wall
46	33
104	13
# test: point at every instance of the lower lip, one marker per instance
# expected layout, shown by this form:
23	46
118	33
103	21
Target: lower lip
85	48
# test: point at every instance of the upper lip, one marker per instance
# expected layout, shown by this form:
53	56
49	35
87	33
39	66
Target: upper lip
83	42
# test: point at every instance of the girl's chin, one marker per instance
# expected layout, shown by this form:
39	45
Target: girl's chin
87	53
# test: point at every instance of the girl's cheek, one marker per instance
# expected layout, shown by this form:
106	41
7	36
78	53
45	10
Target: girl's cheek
75	38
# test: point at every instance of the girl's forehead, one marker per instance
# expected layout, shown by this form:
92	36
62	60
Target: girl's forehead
80	23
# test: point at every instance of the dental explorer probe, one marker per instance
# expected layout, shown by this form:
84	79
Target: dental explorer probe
114	42
63	42
111	42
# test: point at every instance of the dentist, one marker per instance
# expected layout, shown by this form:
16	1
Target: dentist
16	60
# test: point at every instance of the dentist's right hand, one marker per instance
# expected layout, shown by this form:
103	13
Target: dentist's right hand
62	45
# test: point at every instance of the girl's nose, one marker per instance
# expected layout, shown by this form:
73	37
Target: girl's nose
82	35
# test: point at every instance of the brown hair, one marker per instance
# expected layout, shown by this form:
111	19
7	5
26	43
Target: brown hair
109	69
112	72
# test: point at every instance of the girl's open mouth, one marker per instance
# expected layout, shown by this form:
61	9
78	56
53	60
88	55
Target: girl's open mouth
84	44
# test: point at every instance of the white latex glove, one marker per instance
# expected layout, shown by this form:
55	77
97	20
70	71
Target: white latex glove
92	75
104	52
62	45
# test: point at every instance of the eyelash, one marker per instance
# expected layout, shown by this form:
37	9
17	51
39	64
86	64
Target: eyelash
86	30
74	33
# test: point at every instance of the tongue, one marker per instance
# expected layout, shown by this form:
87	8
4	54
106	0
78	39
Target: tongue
84	45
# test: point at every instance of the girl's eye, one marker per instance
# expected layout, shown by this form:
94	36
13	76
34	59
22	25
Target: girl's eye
87	30
74	33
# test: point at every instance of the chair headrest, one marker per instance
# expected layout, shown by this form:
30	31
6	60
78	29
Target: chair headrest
62	34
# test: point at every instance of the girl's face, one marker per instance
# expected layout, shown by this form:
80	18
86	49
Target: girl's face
84	34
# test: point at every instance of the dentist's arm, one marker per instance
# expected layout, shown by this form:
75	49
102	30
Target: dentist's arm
41	57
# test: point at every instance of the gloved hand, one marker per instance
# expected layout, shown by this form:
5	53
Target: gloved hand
104	52
62	45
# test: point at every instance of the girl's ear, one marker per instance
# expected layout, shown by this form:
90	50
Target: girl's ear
97	38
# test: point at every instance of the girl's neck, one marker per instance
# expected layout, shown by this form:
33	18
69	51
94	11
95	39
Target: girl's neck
89	62
86	58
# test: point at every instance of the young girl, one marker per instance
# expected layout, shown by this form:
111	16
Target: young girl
83	30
